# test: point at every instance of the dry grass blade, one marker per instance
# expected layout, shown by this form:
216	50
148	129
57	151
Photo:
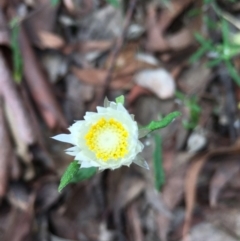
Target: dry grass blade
40	89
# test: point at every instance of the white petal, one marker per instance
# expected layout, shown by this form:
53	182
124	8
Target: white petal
143	132
101	109
72	151
113	105
64	138
121	108
85	164
141	162
106	102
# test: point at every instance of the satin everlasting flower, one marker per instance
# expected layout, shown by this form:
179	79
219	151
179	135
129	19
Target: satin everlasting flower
106	139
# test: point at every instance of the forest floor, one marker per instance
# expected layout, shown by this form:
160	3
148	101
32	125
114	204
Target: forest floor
59	59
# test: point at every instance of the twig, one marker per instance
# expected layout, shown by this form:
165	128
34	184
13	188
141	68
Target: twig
117	48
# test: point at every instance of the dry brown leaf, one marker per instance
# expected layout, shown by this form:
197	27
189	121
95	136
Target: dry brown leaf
136	92
50	40
169	14
90	76
97	77
156	27
40	88
4	33
43	19
5	153
135	229
171	195
13	102
69	5
180	40
190	190
15	170
22	210
225	172
192	177
91	45
155	39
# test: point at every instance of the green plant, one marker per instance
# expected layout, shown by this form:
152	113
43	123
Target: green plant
223	52
114	3
16	52
194	109
159	174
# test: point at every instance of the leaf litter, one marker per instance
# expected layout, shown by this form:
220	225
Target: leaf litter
60	61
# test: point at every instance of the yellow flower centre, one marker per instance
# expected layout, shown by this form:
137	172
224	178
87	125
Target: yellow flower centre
107	139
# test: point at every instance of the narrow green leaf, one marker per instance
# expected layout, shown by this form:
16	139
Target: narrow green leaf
198	54
214	62
54	2
158	164
203	41
225	32
114	3
232	72
120	99
74	174
16	52
154	125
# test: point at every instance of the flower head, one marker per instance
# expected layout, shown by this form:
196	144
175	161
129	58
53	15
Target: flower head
106	139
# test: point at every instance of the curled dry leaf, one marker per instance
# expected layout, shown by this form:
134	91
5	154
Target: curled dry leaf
159	81
155	39
40	89
50	40
156	27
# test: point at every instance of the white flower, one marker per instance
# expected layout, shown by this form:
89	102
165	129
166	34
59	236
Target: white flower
106	139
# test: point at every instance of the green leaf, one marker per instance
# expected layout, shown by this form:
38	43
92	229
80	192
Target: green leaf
114	3
158	164
198	54
120	99
213	63
74	174
203	41
225	33
16	52
154	125
232	72
54	2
